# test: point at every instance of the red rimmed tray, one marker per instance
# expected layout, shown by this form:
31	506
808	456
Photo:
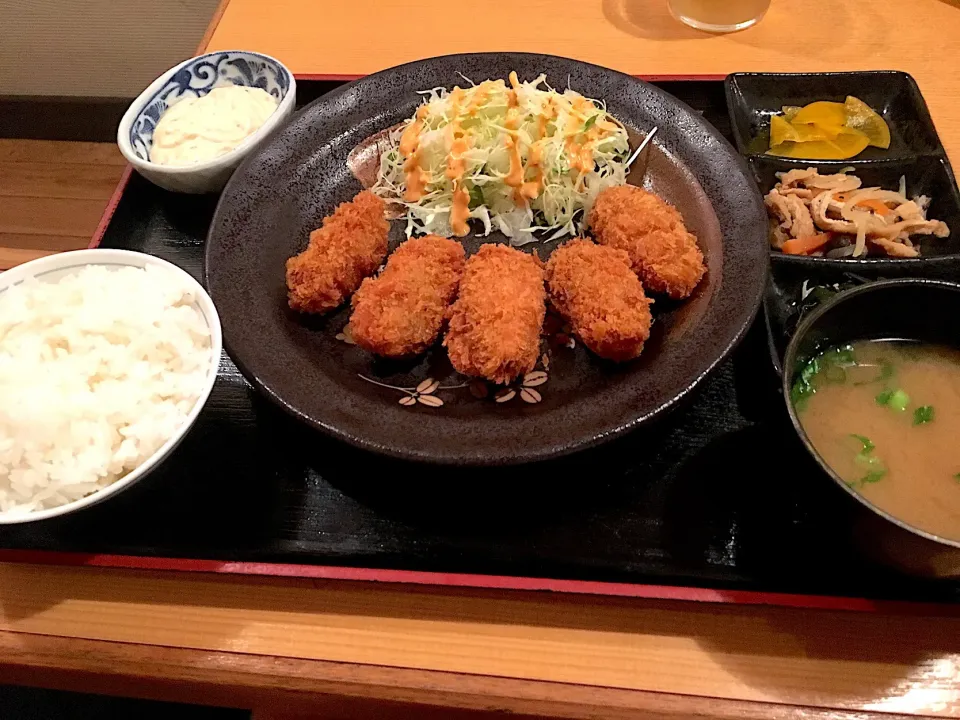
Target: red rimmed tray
486	582
717	504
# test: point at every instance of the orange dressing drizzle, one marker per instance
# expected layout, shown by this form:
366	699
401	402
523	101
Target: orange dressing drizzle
456	163
415	177
514	178
571	145
512	93
531	189
585	161
456	99
548	114
580	153
460	211
512	101
456	166
607	126
411	134
583	107
480	95
416	180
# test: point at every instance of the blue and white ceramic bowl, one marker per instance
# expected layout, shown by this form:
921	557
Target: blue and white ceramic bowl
195	78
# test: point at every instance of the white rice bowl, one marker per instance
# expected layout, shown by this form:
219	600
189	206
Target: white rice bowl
106	357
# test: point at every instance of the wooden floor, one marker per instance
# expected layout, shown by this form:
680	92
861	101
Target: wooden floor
52	195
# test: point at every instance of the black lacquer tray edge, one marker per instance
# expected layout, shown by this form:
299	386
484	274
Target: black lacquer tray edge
466	580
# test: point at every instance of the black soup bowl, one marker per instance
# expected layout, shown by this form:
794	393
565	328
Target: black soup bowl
908	309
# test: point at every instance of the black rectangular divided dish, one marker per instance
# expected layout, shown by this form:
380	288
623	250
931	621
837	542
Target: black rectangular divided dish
754	97
719	495
915	153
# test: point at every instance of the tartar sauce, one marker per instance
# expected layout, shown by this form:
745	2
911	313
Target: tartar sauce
197	129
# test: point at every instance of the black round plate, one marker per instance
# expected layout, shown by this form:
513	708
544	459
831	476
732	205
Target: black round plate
284	190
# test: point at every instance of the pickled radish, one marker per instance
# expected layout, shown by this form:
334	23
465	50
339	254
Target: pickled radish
826	130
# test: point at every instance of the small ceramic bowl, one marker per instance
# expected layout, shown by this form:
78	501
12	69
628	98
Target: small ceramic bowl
195	78
910	308
63	264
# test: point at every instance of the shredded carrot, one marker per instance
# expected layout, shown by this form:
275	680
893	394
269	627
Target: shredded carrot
878	207
805	246
840	197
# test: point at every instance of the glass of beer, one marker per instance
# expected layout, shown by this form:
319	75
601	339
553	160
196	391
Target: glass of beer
719	16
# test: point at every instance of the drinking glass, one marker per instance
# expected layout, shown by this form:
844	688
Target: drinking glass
719	16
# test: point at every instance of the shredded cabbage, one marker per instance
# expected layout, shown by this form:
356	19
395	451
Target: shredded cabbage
581	149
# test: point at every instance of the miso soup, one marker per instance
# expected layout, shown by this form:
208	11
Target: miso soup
885	415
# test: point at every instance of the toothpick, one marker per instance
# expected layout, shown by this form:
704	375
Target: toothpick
636	153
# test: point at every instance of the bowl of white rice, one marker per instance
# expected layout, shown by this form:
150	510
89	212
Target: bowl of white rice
106	359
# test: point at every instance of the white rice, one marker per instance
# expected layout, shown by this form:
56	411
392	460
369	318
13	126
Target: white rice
97	371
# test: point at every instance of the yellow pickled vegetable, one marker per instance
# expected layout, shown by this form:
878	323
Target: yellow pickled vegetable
782	131
862	117
827	130
847	144
790	112
824	114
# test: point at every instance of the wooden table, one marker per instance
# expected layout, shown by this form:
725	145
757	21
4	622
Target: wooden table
345	650
347	39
